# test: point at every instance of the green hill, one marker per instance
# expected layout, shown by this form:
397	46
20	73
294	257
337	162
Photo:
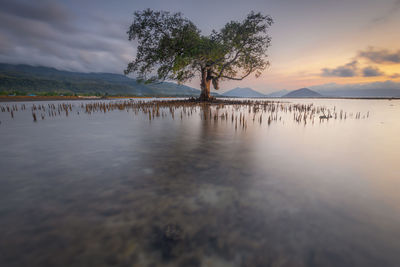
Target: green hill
25	79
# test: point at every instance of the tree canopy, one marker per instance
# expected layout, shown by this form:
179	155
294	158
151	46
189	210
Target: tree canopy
171	47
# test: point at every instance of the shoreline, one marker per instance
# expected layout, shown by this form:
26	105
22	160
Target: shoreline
74	98
62	98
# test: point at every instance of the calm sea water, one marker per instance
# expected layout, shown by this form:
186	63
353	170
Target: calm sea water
118	189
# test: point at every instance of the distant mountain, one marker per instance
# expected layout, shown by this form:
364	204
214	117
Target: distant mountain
242	92
384	89
32	79
170	89
302	93
362	93
279	93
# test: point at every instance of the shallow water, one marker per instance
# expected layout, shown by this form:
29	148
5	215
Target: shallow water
118	189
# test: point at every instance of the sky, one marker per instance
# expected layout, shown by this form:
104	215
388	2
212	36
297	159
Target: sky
314	42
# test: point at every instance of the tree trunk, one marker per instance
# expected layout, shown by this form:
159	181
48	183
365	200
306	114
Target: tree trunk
205	86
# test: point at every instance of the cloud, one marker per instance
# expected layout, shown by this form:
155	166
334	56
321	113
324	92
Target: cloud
352	69
388	14
45	11
348	70
47	33
371	72
382	56
395	76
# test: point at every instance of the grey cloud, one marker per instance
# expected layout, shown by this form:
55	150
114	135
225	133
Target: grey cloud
32	36
348	70
381	56
45	11
18	29
395	76
371	72
114	28
5	45
388	14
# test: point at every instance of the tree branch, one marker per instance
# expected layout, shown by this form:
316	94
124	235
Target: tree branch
228	63
238	79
